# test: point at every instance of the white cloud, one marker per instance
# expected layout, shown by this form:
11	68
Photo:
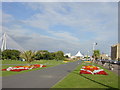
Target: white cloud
60	0
64	36
77	16
36	41
6	18
82	17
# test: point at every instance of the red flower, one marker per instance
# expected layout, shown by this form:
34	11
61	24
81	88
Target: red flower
3	69
44	66
101	73
85	72
92	70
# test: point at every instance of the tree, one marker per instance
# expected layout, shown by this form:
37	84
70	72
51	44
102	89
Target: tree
28	56
38	56
47	56
96	54
11	54
41	54
59	55
52	55
44	54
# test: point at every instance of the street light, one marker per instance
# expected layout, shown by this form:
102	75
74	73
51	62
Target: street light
94	45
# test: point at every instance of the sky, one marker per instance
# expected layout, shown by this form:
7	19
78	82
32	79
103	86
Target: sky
66	26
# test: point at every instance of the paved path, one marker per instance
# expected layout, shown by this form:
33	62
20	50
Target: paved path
44	78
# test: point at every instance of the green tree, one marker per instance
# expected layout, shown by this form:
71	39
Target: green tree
11	54
96	54
52	55
59	55
38	56
47	56
41	54
28	56
44	54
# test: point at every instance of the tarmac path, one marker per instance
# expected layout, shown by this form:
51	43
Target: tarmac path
43	78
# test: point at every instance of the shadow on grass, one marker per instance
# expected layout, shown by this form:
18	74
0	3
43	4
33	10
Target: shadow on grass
109	87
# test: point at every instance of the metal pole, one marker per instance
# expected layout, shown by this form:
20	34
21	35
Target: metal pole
93	50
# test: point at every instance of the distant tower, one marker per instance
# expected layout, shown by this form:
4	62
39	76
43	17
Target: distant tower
4	45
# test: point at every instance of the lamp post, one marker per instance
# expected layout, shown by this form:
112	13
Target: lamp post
94	46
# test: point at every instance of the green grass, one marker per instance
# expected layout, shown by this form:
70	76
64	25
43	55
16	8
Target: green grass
48	63
76	80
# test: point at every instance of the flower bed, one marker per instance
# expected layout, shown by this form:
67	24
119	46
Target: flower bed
92	70
21	68
88	61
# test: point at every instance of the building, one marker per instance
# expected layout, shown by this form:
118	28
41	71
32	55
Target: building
115	52
68	54
104	56
73	57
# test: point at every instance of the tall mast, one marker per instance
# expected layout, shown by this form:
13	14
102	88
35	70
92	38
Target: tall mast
4	45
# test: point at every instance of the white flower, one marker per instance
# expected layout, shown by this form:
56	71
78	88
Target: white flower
9	68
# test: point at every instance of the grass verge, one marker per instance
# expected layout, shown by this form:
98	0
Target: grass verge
48	63
76	80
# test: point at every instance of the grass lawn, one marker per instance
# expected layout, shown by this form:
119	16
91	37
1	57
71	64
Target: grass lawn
48	63
76	80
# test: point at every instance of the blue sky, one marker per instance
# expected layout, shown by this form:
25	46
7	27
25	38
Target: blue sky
66	26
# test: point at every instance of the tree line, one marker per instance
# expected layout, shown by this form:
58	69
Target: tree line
36	55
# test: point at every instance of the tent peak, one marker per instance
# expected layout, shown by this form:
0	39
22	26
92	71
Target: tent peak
79	54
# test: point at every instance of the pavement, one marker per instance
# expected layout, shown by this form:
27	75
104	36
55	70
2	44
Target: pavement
116	68
43	78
